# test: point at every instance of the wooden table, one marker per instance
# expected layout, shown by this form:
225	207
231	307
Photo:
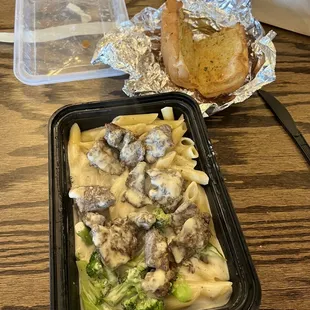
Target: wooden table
267	177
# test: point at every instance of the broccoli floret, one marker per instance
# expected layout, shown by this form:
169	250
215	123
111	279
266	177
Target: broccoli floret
162	219
103	285
95	269
134	275
119	292
84	233
92	290
137	260
150	304
181	290
142	302
130	287
131	303
136	298
87	305
210	249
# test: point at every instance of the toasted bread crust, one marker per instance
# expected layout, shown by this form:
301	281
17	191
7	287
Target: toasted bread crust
215	66
170	45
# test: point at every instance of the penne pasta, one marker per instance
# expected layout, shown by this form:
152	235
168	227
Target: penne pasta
207	282
182	161
178	133
120	209
215	270
91	134
213	290
192	193
189	174
202	200
190	152
74	145
75	134
137	129
167	113
189	276
172	124
172	303
203	303
119	186
165	161
86	146
186	141
142	137
180	149
211	295
100	134
150	127
125	120
81	172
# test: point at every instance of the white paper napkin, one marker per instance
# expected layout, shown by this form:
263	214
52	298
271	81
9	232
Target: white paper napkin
292	15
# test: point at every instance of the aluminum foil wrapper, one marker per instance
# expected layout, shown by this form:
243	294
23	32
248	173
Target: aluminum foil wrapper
134	47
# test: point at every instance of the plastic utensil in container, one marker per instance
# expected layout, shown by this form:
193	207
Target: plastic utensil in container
54	41
63	272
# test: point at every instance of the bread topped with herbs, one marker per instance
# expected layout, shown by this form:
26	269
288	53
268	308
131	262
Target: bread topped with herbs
216	65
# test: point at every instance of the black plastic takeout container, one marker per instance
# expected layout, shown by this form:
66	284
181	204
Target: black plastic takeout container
63	272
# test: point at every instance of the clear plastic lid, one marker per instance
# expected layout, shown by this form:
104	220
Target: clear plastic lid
54	41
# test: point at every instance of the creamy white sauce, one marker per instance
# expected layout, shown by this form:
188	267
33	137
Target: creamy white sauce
82	251
81	172
189	225
178	254
210	284
158	279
